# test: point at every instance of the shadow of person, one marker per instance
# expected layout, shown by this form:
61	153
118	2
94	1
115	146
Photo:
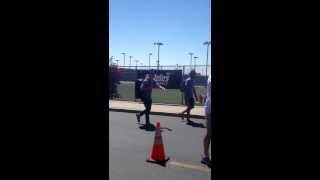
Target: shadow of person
151	127
195	124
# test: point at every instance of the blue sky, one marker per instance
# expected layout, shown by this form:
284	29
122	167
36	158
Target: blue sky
182	25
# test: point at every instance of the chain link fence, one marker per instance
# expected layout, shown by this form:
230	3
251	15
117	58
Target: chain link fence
126	88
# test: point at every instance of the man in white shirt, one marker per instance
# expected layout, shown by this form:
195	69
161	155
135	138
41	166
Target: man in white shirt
207	138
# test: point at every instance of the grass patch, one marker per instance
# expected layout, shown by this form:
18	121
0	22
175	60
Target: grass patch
171	96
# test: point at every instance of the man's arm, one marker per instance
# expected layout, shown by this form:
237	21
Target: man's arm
195	93
143	86
159	86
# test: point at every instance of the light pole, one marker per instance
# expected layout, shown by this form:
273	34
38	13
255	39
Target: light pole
117	62
207	43
149	60
130	61
111	60
137	63
158	44
124	59
190	60
195	62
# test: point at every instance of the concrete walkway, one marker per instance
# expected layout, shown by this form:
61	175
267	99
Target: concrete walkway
156	109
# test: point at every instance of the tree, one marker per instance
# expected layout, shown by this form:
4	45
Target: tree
114	79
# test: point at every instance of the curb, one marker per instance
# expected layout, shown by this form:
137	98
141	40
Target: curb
155	103
155	113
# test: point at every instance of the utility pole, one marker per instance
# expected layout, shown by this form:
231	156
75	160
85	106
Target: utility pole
195	62
149	60
124	59
158	44
137	64
207	43
190	60
111	60
130	61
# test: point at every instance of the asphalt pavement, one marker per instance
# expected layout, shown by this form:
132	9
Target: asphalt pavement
156	109
130	146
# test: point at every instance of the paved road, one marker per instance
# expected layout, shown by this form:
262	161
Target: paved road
158	109
130	146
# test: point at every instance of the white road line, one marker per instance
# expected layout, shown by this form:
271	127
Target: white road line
190	166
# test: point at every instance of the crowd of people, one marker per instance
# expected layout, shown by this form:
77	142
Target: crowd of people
190	96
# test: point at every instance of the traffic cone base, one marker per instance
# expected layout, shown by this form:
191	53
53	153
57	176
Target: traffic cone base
158	152
158	161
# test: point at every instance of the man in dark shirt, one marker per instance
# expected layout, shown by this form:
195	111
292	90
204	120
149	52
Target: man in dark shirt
146	88
188	95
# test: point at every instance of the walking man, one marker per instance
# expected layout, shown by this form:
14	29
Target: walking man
146	89
189	91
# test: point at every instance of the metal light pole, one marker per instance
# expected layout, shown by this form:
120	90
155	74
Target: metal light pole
137	63
124	59
130	61
158	44
111	60
117	62
190	60
149	60
195	62
207	43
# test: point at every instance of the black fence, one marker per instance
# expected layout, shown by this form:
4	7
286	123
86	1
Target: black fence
129	75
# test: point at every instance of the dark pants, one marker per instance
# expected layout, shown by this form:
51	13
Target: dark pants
189	102
147	104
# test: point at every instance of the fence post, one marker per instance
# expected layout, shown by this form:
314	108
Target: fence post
183	69
134	96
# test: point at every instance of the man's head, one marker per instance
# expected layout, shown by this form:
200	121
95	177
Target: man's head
192	74
150	75
147	76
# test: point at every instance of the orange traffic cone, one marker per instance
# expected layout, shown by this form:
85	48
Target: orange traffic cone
158	152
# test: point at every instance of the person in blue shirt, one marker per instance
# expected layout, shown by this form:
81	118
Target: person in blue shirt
189	91
146	87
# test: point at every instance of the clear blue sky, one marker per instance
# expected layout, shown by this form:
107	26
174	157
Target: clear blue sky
182	25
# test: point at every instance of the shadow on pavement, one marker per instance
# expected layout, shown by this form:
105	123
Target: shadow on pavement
163	164
213	163
194	124
150	128
165	128
209	166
